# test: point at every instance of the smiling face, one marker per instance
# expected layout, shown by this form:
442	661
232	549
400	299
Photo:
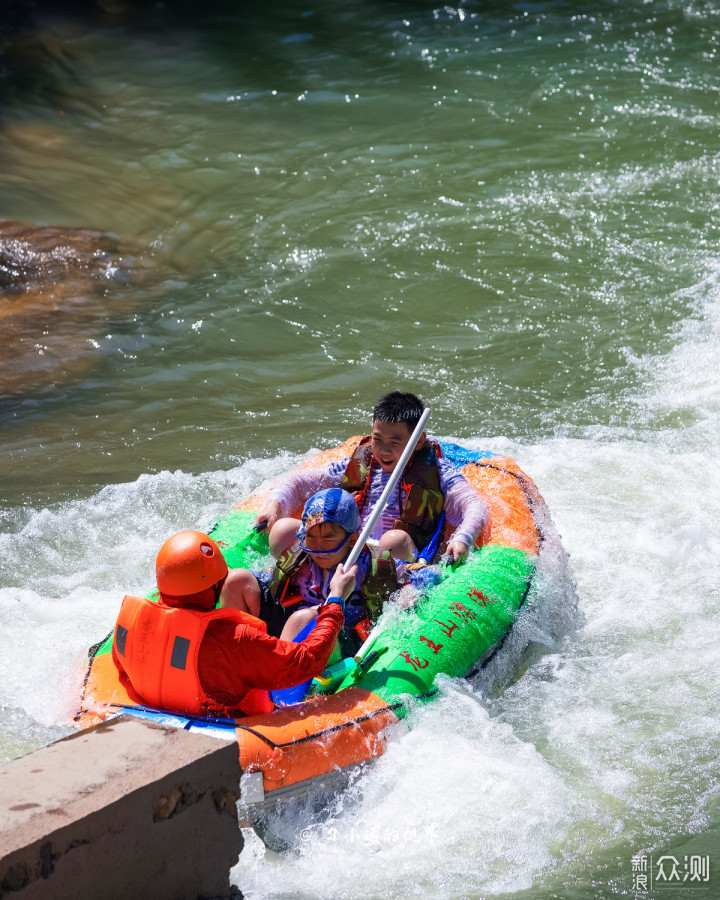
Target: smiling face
388	442
325	536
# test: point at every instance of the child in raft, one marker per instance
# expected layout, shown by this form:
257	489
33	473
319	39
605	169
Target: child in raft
430	491
304	573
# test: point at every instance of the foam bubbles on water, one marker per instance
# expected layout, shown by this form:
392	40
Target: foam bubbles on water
457	805
682	404
549	615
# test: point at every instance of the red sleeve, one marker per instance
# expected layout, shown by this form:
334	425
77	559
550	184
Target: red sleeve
251	659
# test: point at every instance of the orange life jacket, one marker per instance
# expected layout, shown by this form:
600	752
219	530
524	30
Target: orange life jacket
423	507
156	646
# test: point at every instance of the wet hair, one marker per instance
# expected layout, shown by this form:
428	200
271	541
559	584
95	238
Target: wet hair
397	407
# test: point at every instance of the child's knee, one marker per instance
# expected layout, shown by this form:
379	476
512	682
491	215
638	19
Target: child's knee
399	543
241	591
297	621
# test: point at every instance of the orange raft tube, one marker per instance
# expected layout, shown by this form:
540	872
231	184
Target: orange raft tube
299	743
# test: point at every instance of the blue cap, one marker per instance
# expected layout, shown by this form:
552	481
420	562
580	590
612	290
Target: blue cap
331	505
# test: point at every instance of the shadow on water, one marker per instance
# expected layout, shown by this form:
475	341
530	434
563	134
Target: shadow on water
35	61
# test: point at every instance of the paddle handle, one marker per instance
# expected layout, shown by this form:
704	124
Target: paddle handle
389	487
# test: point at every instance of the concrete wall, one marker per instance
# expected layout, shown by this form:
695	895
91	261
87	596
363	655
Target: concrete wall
128	809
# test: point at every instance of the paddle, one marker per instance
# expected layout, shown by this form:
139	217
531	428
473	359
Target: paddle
378	511
389	487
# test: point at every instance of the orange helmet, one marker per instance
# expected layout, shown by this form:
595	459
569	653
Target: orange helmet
187	563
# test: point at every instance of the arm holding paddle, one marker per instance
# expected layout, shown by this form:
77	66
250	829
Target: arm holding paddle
342	583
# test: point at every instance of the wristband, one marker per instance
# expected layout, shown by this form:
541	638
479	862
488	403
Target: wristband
338	600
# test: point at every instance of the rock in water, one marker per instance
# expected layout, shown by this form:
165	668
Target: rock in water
58	287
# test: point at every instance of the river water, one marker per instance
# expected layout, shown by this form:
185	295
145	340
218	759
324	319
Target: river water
510	209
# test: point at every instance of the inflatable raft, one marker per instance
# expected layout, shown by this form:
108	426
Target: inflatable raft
460	618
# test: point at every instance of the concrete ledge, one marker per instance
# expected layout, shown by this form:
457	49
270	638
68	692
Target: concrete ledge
126	809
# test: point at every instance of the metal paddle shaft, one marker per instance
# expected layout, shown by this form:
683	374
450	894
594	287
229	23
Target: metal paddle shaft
389	487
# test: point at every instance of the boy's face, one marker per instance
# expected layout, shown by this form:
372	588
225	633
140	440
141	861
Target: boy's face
388	442
325	536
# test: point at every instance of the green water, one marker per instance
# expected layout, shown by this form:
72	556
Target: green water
509	208
495	211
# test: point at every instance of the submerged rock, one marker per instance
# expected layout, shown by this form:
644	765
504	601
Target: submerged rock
32	255
58	286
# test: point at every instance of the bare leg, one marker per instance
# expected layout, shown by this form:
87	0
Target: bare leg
241	591
399	543
295	624
297	621
282	535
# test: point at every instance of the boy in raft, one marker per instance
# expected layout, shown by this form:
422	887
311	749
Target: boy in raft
305	573
430	492
183	655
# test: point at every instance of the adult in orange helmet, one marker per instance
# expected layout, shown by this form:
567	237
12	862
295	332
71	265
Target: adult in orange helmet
183	655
